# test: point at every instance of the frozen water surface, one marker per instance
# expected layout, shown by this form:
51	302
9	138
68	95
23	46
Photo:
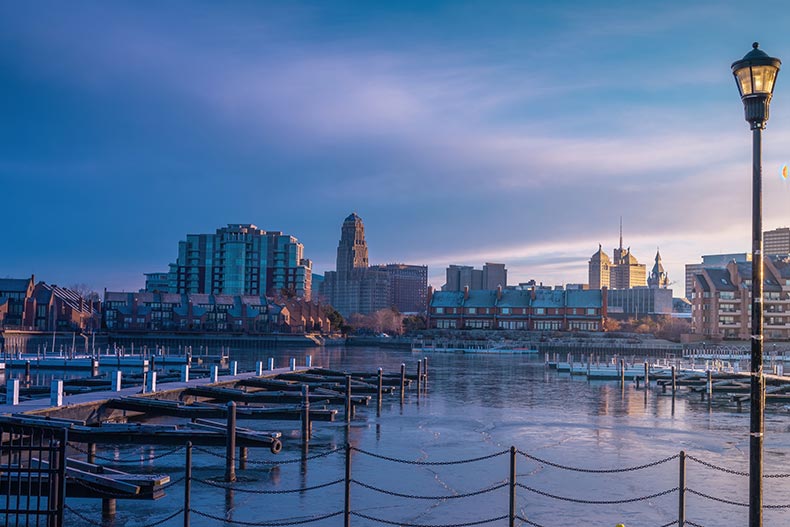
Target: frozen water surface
478	405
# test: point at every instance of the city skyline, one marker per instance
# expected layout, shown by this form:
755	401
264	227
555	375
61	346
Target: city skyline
461	132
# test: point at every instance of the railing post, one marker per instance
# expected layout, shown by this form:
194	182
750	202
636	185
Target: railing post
230	452
347	504
674	380
622	372
682	489
647	376
188	484
512	515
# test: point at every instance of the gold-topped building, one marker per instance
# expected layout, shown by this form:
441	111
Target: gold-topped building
622	271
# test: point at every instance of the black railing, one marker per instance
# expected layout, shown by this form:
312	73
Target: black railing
512	516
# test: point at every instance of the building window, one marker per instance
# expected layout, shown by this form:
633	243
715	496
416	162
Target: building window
471	310
540	311
438	310
505	310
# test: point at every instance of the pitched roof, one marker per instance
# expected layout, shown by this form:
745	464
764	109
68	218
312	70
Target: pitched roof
515	298
548	298
481	298
447	299
721	279
584	298
14	285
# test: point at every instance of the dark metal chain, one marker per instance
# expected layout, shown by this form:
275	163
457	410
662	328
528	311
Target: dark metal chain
272	462
267	524
401	524
598	470
82	516
689	522
599	502
716	467
528	522
127	459
714	498
409	462
101	524
416	497
252	491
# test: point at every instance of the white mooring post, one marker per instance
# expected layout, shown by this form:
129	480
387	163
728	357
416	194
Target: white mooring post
12	392
116	381
56	393
293	364
270	364
214	373
308	361
185	373
234	367
151	381
259	368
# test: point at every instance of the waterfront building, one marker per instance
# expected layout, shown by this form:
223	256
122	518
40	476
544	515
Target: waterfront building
491	276
200	312
357	287
718	261
721	300
239	259
776	241
45	307
638	302
536	309
622	271
13	292
408	286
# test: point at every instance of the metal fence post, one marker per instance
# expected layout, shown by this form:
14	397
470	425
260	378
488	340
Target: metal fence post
230	453
419	378
512	515
682	489
188	484
305	414
347	506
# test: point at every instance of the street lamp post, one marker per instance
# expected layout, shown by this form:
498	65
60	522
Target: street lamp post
755	75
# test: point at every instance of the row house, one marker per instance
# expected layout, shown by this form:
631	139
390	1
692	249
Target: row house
209	313
721	300
537	309
45	307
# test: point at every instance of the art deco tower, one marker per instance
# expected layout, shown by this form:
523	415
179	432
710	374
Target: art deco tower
352	251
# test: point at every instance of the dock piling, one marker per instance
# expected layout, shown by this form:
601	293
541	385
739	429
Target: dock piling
305	414
151	382
12	392
56	393
270	364
402	381
674	381
108	509
116	381
308	361
378	393
185	373
622	372
419	378
647	375
230	453
348	399
259	368
293	364
214	377
27	372
234	367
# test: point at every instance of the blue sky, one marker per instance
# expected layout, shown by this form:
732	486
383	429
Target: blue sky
461	132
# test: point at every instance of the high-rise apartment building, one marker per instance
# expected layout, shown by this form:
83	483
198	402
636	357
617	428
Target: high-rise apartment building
776	241
713	261
239	259
491	276
357	287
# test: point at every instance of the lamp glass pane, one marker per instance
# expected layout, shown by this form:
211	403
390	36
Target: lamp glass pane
744	80
764	77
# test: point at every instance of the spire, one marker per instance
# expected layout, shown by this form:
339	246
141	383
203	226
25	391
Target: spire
621	233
